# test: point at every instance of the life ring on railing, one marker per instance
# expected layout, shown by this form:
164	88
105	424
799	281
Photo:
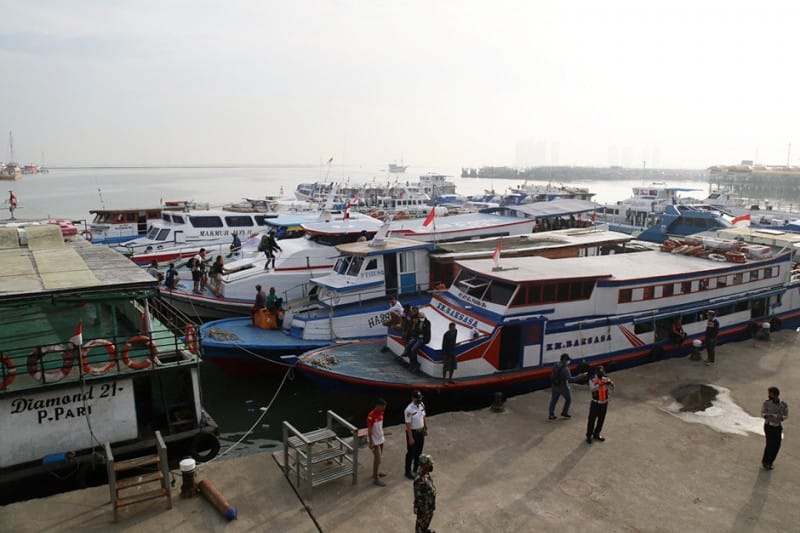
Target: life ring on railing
98	370
50	376
87	234
10	371
190	339
717	257
138	365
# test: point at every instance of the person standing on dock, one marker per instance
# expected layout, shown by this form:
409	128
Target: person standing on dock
561	379
424	495
599	384
375	438
712	329
774	411
416	431
449	353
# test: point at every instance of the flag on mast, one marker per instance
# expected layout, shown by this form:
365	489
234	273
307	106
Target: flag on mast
77	339
347	210
496	254
429	218
743	220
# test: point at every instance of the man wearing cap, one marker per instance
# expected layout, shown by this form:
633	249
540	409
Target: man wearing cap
416	430
424	495
712	329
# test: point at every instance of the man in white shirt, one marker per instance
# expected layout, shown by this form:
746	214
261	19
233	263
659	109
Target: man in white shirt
416	430
376	439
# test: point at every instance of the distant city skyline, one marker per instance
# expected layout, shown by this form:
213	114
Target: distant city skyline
675	84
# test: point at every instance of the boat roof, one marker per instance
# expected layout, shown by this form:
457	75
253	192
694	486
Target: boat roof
389	245
598	235
338	227
747	233
619	267
131	210
559	207
36	263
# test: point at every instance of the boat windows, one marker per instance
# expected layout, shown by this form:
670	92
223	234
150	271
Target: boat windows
625	295
130	217
206	222
239	221
722	281
152	233
740	306
355	266
648	292
167	218
162	235
153	214
686	287
407	262
372	265
472	285
261	220
499	292
178	219
643	327
342	264
754	275
668	290
737	278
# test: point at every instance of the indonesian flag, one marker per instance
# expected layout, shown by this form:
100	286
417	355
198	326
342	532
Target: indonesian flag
593	216
347	210
743	220
429	218
77	339
12	200
496	254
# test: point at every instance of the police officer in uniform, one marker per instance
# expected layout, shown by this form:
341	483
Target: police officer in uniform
416	430
424	495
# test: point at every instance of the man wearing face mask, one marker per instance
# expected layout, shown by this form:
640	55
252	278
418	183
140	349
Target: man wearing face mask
424	495
599	384
774	412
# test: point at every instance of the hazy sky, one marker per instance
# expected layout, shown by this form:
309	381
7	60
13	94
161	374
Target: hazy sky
681	84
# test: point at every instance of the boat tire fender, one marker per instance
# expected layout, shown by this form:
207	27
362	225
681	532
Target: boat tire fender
51	376
10	371
87	234
98	370
138	365
204	447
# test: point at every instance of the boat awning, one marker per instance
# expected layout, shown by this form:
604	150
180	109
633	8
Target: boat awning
388	246
564	207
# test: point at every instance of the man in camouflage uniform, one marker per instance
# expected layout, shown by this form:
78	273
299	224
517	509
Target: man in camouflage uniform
424	495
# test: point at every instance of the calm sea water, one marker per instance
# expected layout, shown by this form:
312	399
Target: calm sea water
235	402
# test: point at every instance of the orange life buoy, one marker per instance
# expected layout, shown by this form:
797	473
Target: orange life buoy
50	376
190	339
87	235
10	371
98	370
138	365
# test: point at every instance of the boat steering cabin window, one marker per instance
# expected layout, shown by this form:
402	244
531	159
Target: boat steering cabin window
162	235
239	221
152	233
342	264
372	265
206	222
355	266
167	218
177	219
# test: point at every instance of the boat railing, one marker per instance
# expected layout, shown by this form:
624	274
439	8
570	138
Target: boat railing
150	347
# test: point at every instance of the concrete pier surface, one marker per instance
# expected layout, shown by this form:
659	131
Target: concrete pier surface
517	471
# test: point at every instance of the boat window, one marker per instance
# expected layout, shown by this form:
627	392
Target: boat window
355	266
261	220
668	290
167	218
722	281
206	222
407	262
549	293
647	294
152	233
153	214
643	327
130	217
120	218
686	287
162	235
372	265
737	278
754	275
342	264
563	292
521	298
471	284
740	306
499	292
239	221
178	219
625	295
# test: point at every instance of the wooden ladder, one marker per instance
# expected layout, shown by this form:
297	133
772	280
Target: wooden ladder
127	489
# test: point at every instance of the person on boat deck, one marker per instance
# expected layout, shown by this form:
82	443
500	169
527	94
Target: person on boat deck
416	431
153	271
217	271
363	237
449	363
260	302
172	277
676	332
271	248
562	377
599	384
272	300
395	309
198	266
236	245
712	330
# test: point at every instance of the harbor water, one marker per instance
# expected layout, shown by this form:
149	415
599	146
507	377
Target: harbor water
236	403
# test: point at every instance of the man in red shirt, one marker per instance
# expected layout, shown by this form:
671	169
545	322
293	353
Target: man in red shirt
599	384
376	439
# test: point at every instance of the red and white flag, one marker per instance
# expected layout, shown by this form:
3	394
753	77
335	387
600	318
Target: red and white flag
77	339
743	220
347	210
429	218
12	200
593	216
496	254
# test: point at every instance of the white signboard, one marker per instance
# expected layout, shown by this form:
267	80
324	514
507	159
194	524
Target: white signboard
52	421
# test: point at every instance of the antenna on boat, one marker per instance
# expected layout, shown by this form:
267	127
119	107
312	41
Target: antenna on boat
380	237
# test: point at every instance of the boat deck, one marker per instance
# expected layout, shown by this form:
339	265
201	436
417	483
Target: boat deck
240	332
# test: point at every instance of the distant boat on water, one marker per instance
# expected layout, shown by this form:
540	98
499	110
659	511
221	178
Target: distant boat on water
11	170
394	168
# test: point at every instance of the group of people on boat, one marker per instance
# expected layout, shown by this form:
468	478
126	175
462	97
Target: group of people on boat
267	312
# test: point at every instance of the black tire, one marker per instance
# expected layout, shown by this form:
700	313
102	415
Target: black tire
204	447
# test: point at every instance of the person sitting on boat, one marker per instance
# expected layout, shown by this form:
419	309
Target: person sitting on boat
676	331
153	271
172	277
363	237
420	336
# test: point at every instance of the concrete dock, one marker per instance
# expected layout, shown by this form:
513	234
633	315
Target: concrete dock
517	471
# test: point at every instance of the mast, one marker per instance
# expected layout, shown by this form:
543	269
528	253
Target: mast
11	147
